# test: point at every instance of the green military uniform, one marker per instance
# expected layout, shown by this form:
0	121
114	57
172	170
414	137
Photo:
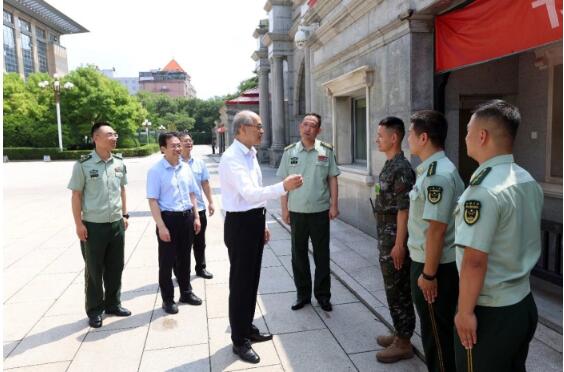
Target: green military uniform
433	198
309	214
100	183
392	195
499	214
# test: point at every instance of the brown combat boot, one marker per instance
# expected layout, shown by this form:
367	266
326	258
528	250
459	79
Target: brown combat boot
400	348
386	340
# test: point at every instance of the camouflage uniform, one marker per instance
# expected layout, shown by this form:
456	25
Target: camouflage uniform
392	194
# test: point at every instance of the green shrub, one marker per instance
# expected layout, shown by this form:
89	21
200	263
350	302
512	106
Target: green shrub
30	153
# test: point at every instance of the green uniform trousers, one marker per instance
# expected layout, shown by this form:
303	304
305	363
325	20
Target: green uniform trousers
316	227
437	319
103	258
504	334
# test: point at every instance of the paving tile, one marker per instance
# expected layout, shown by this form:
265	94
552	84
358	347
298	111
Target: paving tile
542	358
549	337
70	302
188	327
53	339
370	278
9	346
49	367
281	247
275	280
282	319
141	306
15	279
143	258
19	318
222	357
217	300
367	362
44	287
340	294
354	326
122	350
135	279
350	261
70	261
311	351
220	271
269	259
186	358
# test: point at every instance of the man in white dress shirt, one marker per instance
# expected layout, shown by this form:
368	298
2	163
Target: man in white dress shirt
245	233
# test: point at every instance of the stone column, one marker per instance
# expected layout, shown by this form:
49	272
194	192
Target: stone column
264	112
307	79
278	144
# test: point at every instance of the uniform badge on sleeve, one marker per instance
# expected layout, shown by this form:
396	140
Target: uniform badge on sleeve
294	160
434	194
472	211
322	158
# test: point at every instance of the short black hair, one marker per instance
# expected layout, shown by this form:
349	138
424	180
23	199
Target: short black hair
433	123
164	137
97	126
183	134
503	113
394	123
315	115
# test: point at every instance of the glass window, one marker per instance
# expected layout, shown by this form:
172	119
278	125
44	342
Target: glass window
359	130
25	26
54	38
10	57
8	17
42	56
27	52
40	33
556	135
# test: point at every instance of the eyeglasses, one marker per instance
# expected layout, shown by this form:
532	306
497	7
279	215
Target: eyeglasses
258	126
110	135
175	146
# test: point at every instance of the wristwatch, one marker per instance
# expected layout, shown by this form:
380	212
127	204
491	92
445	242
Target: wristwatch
126	215
428	277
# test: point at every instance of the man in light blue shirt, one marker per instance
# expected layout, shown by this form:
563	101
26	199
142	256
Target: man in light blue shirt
171	189
201	175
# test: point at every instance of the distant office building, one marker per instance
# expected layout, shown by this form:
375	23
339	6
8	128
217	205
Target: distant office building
32	31
131	83
171	80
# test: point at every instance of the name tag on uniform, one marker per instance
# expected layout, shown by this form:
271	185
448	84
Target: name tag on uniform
119	169
322	158
294	160
94	173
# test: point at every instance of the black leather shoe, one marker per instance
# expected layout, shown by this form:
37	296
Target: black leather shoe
257	336
204	274
300	304
119	311
246	353
190	298
170	307
325	305
95	321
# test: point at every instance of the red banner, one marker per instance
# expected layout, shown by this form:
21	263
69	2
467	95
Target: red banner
490	29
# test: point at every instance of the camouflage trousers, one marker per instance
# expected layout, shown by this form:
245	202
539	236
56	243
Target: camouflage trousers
397	283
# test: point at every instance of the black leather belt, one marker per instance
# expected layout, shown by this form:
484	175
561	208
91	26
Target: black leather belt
180	213
260	211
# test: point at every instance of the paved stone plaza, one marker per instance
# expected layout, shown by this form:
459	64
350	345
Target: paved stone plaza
45	328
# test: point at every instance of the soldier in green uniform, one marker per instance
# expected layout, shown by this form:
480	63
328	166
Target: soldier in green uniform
309	209
100	214
497	244
434	278
391	210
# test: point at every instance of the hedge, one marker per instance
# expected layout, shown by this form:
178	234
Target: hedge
31	153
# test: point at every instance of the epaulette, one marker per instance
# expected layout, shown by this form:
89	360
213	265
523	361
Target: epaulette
328	145
432	169
290	146
477	179
83	158
118	156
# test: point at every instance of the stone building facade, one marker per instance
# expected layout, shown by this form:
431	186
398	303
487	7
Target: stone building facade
361	60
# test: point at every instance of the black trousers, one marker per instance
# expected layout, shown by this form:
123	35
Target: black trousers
438	318
244	238
504	334
200	243
175	253
103	259
314	226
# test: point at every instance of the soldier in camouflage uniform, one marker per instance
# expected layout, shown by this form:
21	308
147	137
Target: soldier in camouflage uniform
391	210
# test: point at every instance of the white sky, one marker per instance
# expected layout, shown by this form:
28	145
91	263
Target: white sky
211	39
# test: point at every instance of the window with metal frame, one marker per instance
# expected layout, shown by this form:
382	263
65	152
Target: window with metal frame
359	130
10	55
